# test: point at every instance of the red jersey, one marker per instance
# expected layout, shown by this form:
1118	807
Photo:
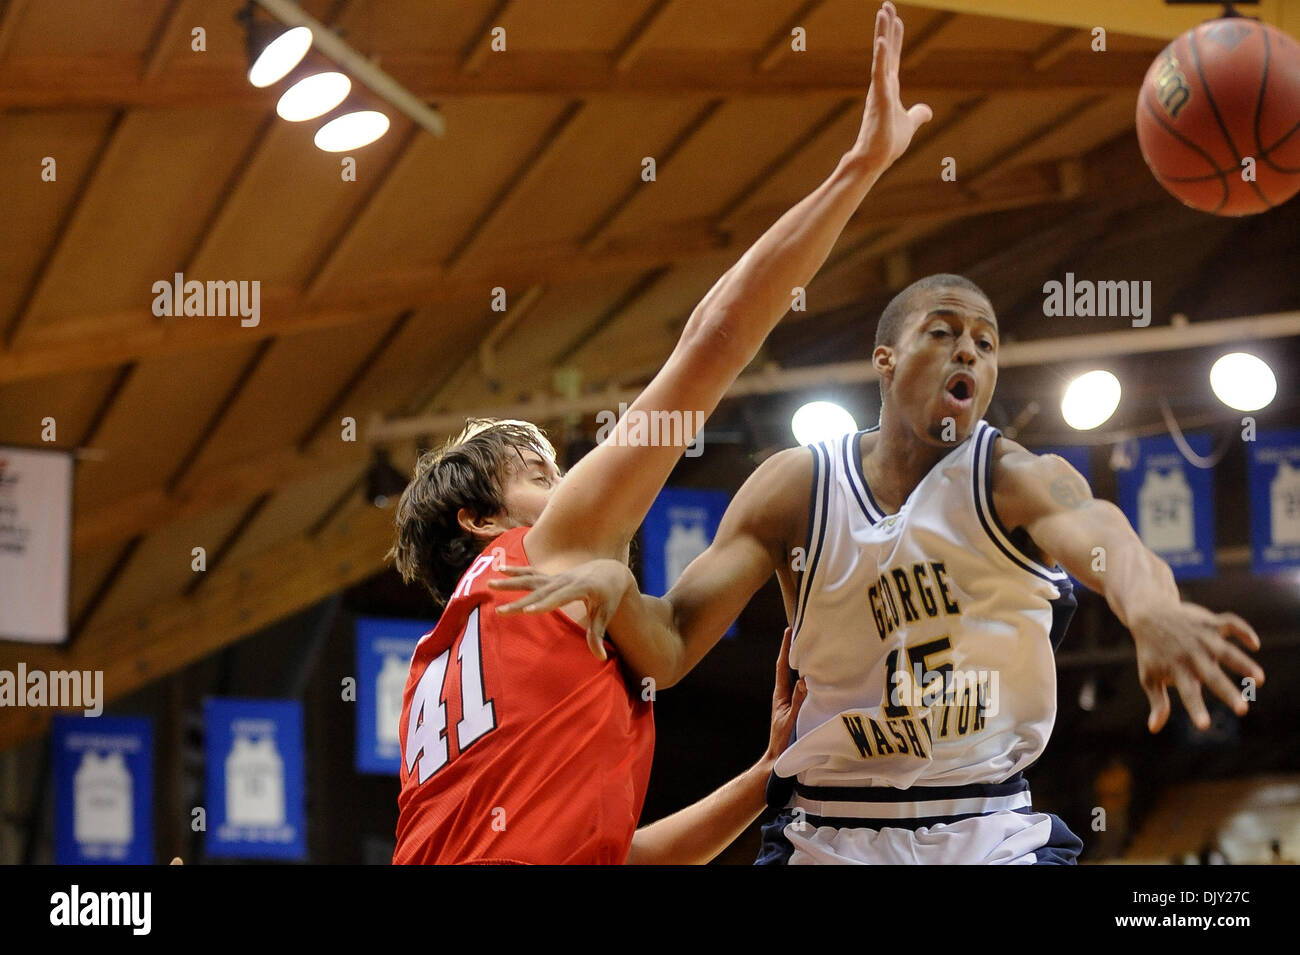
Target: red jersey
517	744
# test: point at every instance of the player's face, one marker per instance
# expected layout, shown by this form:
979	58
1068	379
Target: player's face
529	486
945	365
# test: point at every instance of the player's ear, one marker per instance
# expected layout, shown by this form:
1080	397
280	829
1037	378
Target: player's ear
882	359
484	528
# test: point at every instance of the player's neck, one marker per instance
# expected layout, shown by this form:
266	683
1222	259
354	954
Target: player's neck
896	461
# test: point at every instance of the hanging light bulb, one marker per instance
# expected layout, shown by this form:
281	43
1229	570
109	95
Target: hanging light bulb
272	61
821	421
1242	381
313	96
351	131
1090	400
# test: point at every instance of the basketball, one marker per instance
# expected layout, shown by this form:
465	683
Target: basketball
1218	117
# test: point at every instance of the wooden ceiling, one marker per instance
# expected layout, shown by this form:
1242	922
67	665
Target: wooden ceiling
376	292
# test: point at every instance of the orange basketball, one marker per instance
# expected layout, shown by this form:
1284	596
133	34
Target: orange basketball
1218	117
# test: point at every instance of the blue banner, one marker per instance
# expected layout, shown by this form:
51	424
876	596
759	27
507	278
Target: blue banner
384	651
680	526
1171	504
255	791
103	790
1274	482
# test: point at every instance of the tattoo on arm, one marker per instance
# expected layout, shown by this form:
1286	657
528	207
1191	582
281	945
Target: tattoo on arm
1071	492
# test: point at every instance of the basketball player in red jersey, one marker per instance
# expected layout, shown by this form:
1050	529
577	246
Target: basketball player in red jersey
518	745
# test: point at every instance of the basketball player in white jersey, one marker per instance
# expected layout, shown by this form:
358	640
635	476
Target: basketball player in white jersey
921	567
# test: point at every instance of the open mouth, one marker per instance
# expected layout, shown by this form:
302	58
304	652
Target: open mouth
960	388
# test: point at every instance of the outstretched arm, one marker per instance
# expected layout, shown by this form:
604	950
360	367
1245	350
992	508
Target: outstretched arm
696	834
1178	643
725	331
663	638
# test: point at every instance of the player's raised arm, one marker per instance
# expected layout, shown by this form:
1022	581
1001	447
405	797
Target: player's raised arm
602	501
1178	643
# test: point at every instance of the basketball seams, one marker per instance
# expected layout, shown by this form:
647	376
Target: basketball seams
1264	151
1209	96
1227	190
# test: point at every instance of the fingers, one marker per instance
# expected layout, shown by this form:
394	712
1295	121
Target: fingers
1219	684
1189	691
510	571
1158	697
800	694
783	668
548	596
1238	662
596	642
1232	625
920	114
895	44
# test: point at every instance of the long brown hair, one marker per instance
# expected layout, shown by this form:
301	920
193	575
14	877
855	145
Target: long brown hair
469	471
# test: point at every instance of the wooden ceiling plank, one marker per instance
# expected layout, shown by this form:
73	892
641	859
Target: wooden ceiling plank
472	59
182	469
917	48
780	162
776	48
638	38
216	555
556	135
339	401
10	18
1056	47
594	236
14	333
323	271
160	51
54	82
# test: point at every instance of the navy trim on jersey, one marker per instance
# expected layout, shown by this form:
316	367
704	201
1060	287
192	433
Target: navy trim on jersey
1062	846
821	480
982	477
850	822
1011	786
1063	608
872	509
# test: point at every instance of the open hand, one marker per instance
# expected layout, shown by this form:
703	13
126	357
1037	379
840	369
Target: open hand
1186	646
599	584
887	127
786	700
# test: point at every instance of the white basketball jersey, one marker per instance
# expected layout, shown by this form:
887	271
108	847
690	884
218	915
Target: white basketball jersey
926	637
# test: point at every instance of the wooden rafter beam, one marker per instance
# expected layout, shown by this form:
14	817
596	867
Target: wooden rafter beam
237	600
52	82
638	38
476	53
778	45
16	328
525	174
99	339
10	17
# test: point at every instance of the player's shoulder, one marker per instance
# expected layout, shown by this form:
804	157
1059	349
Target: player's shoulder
1015	467
774	499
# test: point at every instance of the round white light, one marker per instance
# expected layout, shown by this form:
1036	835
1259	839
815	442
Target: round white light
821	421
1090	400
313	96
351	131
280	56
1243	381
